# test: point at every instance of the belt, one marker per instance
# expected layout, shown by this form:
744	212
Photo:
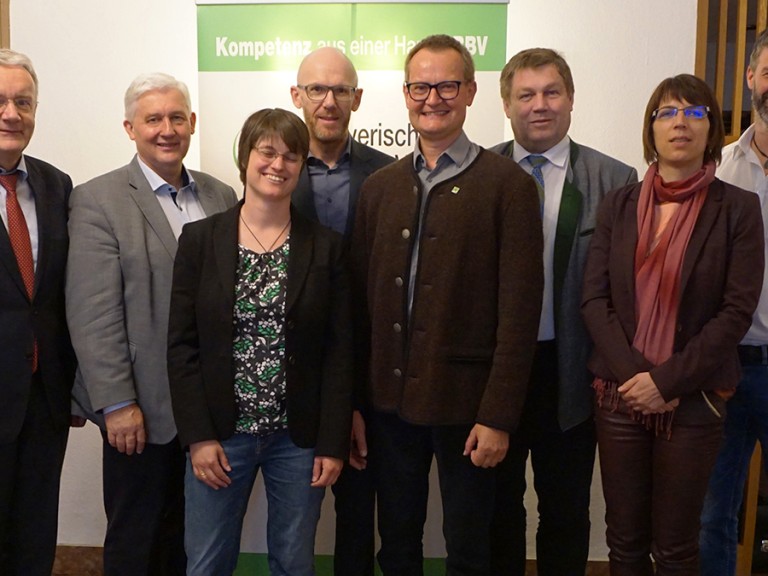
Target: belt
547	344
754	355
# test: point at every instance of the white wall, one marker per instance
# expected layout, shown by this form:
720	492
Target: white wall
86	53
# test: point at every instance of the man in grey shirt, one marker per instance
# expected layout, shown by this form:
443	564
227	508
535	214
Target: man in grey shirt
447	264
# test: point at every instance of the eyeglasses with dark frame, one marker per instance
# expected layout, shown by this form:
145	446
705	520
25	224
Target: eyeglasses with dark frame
270	155
23	104
698	112
318	92
419	91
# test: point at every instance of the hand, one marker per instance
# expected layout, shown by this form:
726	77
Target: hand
642	395
210	464
358	449
486	446
326	471
125	429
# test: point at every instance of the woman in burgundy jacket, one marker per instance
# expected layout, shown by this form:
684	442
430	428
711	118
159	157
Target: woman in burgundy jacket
669	291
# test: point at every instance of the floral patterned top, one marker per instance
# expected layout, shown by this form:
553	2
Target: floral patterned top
259	343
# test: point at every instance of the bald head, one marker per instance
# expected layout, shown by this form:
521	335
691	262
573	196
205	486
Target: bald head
327	63
327	93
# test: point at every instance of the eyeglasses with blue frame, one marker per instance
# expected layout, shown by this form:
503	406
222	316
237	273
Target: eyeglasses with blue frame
669	112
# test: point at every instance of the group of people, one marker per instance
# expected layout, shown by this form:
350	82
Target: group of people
354	317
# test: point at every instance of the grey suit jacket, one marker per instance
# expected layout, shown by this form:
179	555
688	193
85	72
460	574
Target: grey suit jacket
118	292
364	162
591	175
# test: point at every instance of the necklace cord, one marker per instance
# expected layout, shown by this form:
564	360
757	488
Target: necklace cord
259	241
763	154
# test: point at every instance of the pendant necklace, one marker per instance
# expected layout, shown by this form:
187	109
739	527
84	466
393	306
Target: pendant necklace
763	154
258	241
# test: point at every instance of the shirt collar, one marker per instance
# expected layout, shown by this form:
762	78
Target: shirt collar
347	154
557	155
20	170
156	182
744	147
458	153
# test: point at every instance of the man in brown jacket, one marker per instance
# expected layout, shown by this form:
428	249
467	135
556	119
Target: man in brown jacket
448	263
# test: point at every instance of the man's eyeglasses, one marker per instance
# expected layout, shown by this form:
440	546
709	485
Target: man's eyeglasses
318	92
670	112
23	104
270	155
419	91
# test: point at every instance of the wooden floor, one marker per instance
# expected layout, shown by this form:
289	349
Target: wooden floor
82	561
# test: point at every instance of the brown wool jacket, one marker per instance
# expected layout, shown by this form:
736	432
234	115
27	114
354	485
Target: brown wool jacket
465	353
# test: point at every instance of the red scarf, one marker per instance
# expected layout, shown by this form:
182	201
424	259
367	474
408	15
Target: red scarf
657	271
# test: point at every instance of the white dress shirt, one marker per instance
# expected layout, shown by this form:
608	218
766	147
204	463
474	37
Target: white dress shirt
741	167
554	173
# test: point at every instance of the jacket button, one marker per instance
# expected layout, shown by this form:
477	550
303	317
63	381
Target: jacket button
290	324
398	372
398	282
397	328
406	233
291	360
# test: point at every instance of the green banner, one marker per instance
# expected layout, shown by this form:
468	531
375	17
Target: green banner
263	37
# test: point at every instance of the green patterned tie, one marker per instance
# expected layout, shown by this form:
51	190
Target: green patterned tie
537	161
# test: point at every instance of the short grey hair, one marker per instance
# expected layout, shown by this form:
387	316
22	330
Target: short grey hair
153	81
10	57
761	42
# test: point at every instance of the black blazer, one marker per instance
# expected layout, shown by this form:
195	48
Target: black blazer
318	335
720	285
22	321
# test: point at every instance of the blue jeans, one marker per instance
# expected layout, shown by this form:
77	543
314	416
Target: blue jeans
214	518
746	422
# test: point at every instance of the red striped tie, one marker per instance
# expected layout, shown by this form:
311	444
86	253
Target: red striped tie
20	242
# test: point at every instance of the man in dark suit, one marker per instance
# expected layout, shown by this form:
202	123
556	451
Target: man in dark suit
556	426
326	91
124	227
37	364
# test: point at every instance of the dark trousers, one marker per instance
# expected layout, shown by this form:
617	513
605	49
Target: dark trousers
562	477
402	456
355	504
654	487
144	502
29	490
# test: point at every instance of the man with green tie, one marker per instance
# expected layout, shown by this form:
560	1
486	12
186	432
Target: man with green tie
556	426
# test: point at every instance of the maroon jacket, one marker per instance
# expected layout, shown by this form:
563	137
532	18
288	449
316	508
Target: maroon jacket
720	286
